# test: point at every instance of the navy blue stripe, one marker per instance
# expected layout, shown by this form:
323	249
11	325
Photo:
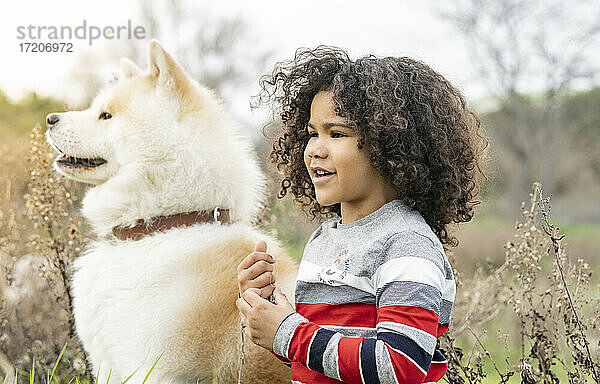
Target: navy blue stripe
367	361
438	356
317	349
407	346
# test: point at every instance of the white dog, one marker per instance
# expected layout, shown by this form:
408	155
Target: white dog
176	189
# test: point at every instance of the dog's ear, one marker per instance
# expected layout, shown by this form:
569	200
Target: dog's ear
164	70
129	68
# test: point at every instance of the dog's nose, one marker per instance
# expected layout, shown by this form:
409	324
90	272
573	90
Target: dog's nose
52	119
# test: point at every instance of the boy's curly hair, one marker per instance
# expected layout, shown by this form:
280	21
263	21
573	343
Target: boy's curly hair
420	134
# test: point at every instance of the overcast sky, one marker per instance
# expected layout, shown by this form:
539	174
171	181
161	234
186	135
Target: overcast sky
382	27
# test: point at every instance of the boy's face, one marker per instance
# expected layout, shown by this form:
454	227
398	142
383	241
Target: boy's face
349	177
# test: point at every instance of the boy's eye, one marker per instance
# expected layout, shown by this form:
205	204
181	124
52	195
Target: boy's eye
334	134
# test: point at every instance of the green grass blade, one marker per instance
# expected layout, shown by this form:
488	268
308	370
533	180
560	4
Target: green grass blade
130	376
70	381
109	374
98	373
149	372
57	361
32	373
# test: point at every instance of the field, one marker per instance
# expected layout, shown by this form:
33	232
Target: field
483	241
510	300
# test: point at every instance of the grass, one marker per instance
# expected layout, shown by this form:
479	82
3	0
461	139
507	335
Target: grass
485	236
50	378
484	240
498	353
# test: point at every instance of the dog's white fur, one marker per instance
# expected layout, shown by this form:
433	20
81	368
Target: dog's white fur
170	147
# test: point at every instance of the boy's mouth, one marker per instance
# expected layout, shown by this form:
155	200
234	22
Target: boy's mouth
323	173
322	179
320	175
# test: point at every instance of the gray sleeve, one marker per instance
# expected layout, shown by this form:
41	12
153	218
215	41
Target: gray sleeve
285	332
406	286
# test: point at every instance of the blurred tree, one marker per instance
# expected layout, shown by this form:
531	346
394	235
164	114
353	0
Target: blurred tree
218	51
521	48
582	111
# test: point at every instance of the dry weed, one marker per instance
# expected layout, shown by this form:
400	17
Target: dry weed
553	313
41	242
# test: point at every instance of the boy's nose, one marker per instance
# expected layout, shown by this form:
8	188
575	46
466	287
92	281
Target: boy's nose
316	150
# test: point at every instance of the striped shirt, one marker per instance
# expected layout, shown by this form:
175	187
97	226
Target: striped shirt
372	298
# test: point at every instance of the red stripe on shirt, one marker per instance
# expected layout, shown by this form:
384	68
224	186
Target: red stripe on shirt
348	359
301	341
358	315
417	317
406	371
442	328
436	372
351	315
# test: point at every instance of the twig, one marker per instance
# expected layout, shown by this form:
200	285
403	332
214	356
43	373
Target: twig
454	357
503	377
242	353
548	228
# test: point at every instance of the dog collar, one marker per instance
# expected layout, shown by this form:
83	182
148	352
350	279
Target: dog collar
162	223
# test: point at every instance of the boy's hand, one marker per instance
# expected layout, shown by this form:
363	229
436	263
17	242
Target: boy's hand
261	317
256	271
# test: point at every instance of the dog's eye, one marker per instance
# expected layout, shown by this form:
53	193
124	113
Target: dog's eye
104	116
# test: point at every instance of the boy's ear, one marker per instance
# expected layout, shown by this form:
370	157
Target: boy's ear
129	68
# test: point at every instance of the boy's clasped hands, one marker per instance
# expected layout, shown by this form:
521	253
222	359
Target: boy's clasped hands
256	283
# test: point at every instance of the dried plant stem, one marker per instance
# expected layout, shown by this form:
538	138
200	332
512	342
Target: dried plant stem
454	356
50	207
242	352
503	376
522	333
548	229
65	278
61	267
